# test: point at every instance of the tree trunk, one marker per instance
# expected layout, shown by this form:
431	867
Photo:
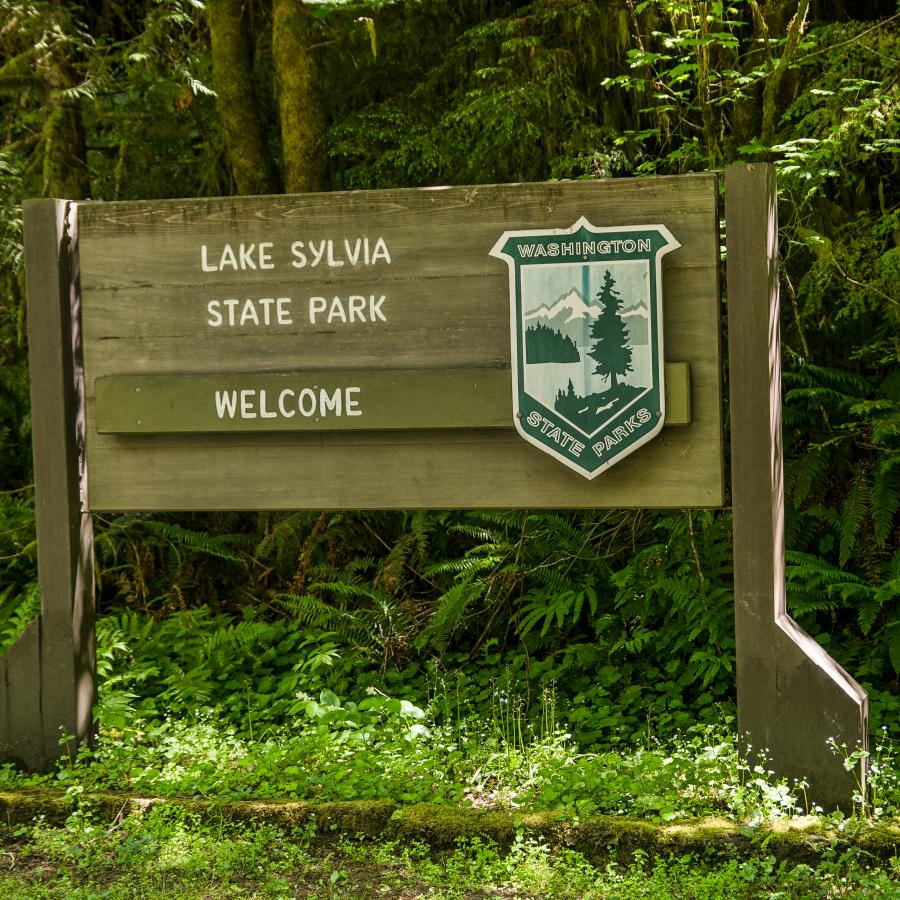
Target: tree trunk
302	121
64	168
251	164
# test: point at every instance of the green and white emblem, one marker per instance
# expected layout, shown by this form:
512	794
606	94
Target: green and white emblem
587	342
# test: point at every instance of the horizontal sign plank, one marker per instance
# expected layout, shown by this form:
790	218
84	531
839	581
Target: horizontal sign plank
325	401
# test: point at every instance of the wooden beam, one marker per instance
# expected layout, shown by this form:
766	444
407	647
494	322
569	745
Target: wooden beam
793	698
334	400
52	665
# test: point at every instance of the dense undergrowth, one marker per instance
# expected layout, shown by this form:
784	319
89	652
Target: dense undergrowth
191	707
427	92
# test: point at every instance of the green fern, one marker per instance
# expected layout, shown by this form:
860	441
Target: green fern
449	612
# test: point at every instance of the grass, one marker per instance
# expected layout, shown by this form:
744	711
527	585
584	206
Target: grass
393	750
380	748
168	853
395	756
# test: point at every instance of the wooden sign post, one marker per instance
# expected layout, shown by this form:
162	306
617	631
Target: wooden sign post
793	698
368	350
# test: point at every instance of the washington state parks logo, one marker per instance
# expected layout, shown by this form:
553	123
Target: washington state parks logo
587	343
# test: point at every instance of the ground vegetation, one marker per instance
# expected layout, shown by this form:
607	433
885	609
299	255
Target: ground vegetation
629	613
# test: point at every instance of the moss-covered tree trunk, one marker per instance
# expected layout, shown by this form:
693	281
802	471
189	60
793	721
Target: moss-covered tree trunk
245	136
302	121
64	168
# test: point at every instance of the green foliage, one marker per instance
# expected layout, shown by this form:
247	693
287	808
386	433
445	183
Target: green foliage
19	600
629	613
197	706
166	852
234	709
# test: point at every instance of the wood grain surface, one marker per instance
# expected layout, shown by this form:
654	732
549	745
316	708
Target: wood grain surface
151	308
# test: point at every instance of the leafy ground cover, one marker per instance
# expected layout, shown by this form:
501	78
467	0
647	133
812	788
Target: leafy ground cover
169	729
168	853
199	706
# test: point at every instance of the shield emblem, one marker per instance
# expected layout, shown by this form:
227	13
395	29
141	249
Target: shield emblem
587	341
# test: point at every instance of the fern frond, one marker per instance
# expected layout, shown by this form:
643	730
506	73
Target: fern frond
448	614
194	541
885	498
311	612
853	512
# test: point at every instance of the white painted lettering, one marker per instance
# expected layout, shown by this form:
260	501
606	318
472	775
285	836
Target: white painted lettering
204	263
306	401
316	305
299	260
380	252
215	317
285	410
263	412
351	404
352	255
357	308
265	255
246	254
330	404
318	252
331	260
226	404
248	313
227	258
336	311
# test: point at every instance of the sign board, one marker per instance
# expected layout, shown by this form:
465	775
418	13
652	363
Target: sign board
373	350
357	349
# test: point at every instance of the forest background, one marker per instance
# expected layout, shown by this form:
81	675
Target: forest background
628	613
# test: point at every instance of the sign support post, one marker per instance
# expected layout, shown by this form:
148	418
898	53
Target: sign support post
793	698
48	677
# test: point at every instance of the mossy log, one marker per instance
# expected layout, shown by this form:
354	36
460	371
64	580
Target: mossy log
597	838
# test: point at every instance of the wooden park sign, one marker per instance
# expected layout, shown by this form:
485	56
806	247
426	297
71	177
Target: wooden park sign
392	349
353	350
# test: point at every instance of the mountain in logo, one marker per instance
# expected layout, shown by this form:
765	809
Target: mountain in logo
572	315
637	320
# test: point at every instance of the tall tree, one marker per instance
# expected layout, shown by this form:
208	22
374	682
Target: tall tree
239	110
298	88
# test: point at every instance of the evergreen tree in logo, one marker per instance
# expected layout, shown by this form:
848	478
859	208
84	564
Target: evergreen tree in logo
611	349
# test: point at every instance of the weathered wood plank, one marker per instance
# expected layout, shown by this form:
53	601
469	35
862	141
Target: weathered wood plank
66	680
326	401
792	697
24	741
378	470
147	298
471	329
